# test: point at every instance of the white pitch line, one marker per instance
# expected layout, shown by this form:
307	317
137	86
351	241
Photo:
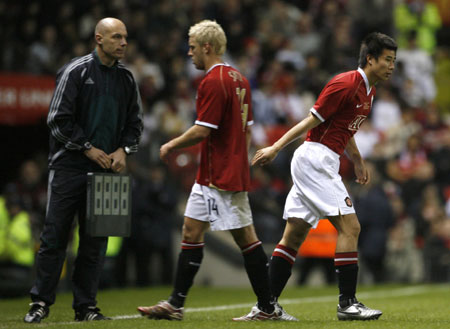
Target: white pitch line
409	291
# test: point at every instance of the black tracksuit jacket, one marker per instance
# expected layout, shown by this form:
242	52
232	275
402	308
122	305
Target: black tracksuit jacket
96	104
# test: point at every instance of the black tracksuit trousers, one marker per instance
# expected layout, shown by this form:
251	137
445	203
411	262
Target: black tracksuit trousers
66	198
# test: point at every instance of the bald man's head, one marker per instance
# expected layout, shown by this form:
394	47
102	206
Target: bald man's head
107	24
111	38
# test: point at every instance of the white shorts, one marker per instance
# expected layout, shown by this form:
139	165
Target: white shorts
224	210
318	190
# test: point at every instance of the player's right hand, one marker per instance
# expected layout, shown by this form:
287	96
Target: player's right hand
99	157
264	156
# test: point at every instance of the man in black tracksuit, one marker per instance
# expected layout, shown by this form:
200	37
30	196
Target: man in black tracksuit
94	121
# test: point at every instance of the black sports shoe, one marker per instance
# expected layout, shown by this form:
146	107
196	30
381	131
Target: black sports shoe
90	313
37	312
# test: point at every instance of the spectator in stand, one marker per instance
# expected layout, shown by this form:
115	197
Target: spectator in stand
436	137
425	212
318	252
419	71
376	218
307	39
442	78
342	46
17	47
404	261
370	15
282	16
286	100
395	138
33	193
266	196
436	132
232	17
313	76
420	15
412	170
16	246
386	113
154	213
335	29
367	139
437	240
43	56
149	78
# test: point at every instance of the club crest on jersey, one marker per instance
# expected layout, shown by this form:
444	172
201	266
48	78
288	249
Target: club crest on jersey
348	202
356	123
235	75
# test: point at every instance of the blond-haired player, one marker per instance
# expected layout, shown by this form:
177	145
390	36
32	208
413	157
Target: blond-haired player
218	199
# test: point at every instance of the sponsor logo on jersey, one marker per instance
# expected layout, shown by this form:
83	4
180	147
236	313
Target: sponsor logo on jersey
356	123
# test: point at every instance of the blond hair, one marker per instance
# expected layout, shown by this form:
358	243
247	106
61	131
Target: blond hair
210	32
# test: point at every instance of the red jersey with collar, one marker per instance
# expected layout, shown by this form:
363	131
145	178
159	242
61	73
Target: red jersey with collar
342	106
224	104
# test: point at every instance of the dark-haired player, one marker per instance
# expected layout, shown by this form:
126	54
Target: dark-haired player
318	191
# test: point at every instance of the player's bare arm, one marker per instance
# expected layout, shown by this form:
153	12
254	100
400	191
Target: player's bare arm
192	136
248	137
267	154
119	160
361	172
99	157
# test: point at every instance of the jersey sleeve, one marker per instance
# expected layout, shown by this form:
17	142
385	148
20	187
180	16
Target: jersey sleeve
250	107
210	103
330	100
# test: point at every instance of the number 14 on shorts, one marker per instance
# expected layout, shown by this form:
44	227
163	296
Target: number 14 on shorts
212	206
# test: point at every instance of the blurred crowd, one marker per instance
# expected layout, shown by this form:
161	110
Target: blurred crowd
288	50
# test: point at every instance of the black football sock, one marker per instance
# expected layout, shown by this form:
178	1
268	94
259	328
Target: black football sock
189	261
255	261
280	269
346	264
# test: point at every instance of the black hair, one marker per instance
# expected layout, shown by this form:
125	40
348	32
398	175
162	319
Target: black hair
374	44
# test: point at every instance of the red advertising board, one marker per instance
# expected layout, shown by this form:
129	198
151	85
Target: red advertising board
24	99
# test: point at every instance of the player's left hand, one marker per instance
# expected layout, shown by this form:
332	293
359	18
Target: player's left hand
164	152
118	160
264	156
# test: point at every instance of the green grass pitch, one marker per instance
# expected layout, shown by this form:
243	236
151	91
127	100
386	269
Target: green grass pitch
403	306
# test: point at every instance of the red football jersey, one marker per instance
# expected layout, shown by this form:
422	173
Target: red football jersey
224	104
342	106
